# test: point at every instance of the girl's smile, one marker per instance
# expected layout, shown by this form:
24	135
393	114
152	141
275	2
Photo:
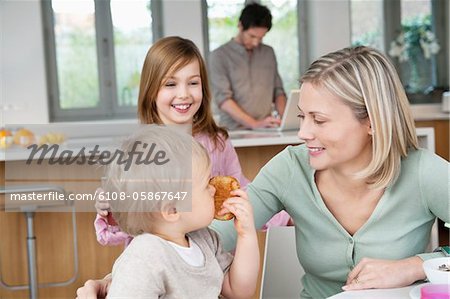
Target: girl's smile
181	108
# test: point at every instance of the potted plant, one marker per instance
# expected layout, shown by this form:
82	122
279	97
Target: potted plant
414	47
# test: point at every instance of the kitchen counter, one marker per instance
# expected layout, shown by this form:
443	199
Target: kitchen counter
246	138
243	138
239	139
427	112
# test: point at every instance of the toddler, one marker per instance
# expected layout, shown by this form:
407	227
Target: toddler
173	253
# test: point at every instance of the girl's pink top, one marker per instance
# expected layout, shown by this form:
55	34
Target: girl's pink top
109	233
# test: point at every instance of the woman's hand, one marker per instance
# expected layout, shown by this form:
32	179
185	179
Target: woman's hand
101	205
240	206
93	289
380	274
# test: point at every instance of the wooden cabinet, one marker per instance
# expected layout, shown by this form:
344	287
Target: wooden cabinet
54	250
441	136
254	157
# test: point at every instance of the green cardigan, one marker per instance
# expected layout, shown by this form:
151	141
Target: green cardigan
398	228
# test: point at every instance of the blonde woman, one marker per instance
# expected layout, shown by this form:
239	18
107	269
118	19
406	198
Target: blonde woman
362	195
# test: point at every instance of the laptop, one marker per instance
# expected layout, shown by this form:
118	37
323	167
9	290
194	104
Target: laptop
282	271
289	121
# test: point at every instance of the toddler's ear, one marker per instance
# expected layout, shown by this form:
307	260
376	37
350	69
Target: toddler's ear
169	213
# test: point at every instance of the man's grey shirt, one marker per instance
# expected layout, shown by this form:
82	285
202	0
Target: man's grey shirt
251	80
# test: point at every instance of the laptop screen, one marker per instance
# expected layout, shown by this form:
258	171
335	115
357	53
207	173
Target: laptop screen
289	121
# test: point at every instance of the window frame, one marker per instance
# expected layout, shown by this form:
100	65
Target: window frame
108	107
440	8
392	25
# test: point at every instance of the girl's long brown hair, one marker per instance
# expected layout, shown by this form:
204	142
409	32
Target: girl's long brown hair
165	57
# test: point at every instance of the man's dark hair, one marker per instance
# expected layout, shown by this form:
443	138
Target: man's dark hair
255	15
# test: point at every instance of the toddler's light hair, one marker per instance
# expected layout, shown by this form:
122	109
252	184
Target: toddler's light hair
141	181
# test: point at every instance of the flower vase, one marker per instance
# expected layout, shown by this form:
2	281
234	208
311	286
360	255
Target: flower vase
418	73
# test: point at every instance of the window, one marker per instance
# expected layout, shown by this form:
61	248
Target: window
283	37
413	34
367	23
132	38
94	53
418	73
222	19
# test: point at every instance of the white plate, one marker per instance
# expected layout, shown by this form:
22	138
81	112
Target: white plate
415	292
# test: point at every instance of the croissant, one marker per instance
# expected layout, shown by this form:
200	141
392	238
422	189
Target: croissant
224	185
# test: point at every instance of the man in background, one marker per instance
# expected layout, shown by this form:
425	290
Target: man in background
246	85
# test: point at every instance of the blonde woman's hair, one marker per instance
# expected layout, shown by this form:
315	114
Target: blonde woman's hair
165	57
367	82
131	184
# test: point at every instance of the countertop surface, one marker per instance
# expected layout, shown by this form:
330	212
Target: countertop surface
239	139
243	138
247	138
429	112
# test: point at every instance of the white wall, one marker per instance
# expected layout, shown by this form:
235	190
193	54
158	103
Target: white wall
328	24
183	18
23	96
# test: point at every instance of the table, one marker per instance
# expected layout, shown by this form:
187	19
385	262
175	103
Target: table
397	293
